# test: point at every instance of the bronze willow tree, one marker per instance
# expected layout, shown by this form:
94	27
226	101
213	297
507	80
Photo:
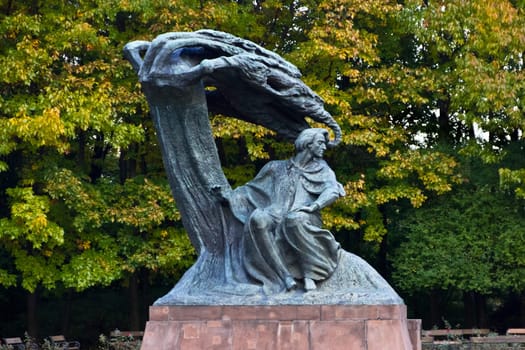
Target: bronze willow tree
186	75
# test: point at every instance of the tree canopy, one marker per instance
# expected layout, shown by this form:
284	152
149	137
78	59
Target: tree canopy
421	89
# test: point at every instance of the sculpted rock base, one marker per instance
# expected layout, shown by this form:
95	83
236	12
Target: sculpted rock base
312	327
354	282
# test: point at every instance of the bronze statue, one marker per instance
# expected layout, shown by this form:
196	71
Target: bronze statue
269	239
280	210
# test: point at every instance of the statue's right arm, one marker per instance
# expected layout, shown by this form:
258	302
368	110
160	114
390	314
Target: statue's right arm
223	195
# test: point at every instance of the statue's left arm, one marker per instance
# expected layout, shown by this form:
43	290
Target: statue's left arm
331	191
328	196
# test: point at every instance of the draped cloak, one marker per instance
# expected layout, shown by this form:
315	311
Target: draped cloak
295	245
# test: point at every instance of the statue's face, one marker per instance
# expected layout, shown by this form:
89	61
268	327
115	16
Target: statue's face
318	146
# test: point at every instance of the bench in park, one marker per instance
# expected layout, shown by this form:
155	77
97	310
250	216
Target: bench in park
60	342
516	331
513	336
16	343
451	335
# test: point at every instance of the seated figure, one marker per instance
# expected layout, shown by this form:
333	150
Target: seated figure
284	241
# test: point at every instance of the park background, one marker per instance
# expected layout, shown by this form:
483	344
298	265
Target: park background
430	96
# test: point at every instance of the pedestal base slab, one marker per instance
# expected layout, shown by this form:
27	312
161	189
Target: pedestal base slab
282	327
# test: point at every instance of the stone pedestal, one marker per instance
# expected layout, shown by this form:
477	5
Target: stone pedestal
280	327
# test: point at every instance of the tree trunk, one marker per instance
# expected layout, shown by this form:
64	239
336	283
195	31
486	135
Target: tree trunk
435	310
481	310
145	297
469	309
32	322
382	258
99	154
127	163
81	155
134	301
444	132
522	309
66	311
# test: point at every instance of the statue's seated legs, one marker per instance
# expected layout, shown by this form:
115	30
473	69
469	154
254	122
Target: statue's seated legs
294	225
262	226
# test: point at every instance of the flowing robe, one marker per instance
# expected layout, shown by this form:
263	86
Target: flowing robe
280	240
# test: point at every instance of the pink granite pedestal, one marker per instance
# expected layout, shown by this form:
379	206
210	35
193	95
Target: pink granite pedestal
280	327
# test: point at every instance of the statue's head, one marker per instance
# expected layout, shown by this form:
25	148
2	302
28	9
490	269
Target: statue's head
307	136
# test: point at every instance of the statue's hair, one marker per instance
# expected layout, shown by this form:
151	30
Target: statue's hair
307	136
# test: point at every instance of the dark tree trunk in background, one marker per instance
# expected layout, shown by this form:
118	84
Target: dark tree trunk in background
481	311
32	322
145	297
134	317
382	259
435	310
475	310
444	132
469	309
522	309
99	154
66	311
128	163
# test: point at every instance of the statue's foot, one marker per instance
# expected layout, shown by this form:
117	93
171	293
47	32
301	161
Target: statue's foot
309	284
290	283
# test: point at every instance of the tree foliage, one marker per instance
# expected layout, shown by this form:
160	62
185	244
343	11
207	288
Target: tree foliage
351	61
471	240
420	88
468	57
86	205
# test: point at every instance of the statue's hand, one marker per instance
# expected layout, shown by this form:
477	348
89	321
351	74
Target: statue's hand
310	208
218	192
206	66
